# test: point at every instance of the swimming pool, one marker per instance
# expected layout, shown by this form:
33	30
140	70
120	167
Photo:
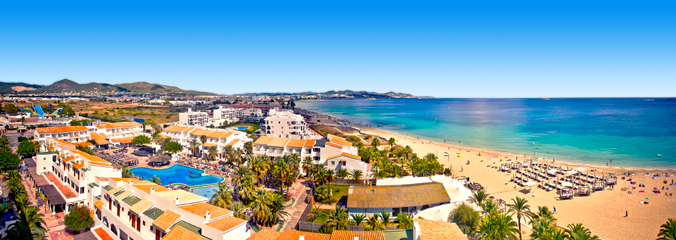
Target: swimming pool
241	128
177	174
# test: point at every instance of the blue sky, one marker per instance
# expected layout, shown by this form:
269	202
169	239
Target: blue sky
442	49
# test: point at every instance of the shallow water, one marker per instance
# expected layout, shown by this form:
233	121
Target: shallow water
630	131
177	174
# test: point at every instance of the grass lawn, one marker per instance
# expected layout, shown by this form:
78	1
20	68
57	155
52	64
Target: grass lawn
339	193
322	217
252	129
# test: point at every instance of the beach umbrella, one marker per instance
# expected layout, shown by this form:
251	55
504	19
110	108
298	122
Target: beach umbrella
572	172
566	184
580	169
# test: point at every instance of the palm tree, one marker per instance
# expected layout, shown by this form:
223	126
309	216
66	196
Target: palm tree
541	228
405	221
260	167
392	141
576	231
307	164
338	219
212	153
555	234
543	213
356	174
227	152
259	206
489	206
194	147
358	218
374	224
342	173
277	211
322	193
375	143
360	146
248	147
156	180
330	174
520	207
203	139
466	218
668	230
498	226
222	196
408	151
385	216
479	197
281	171
125	172
35	222
237	209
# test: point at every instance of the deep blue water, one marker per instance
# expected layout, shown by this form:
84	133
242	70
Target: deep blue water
176	174
630	131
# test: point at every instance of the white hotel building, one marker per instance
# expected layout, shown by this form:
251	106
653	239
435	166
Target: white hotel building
131	209
218	138
72	134
286	124
191	118
335	153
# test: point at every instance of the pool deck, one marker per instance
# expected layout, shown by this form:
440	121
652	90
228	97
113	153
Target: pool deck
172	163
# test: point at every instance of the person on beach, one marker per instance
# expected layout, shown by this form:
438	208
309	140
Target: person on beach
554	209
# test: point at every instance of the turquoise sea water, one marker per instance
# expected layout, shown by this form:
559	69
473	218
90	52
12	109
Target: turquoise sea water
177	174
630	131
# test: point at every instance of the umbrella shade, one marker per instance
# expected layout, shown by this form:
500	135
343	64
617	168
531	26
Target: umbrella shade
580	169
571	172
529	183
566	184
552	171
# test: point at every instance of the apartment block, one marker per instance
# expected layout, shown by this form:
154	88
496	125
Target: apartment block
191	118
286	124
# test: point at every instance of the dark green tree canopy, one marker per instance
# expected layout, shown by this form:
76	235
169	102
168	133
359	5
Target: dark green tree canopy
78	218
140	140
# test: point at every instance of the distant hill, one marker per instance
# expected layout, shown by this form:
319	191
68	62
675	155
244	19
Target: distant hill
11	87
355	94
67	85
146	87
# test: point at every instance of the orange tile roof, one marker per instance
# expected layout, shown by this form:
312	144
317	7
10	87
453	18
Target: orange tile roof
121	179
141	206
175	129
62	188
263	140
200	209
265	234
180	233
278	142
146	188
217	134
294	234
68	159
122	139
61	129
339	140
210	144
103	135
103	234
84	144
296	143
345	155
63	144
98	204
100	140
62	155
119	125
232	143
226	135
167	219
310	143
124	195
362	235
79	165
101	164
437	230
103	178
334	144
226	223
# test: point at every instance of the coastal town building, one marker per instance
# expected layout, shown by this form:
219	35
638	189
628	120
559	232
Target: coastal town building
218	138
64	174
191	118
139	209
121	132
335	153
286	124
409	199
72	134
265	107
236	114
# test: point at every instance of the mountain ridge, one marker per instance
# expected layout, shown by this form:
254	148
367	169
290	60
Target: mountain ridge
70	85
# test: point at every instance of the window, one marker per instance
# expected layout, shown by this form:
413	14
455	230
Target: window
144	223
333	162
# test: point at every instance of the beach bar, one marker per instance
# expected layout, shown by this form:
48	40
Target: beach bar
394	199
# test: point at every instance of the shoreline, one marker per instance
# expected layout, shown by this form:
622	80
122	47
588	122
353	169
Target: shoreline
573	163
618	212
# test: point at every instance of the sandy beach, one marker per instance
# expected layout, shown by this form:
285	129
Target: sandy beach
603	212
